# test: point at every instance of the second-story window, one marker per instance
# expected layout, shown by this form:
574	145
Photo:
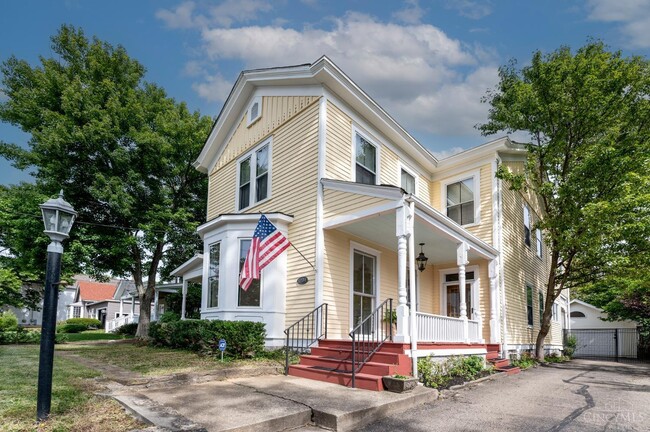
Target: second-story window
408	182
538	239
460	201
366	161
526	225
254	177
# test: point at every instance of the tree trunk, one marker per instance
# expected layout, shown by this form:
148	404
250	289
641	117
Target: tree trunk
146	297
543	331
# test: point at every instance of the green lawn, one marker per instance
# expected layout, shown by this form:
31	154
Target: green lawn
75	407
152	361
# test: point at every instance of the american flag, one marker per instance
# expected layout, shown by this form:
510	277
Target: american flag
266	245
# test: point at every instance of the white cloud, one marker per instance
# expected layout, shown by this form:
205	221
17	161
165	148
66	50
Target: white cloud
411	14
3	96
632	15
181	17
472	9
414	71
215	88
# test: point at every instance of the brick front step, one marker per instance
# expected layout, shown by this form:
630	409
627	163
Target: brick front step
363	381
509	370
500	362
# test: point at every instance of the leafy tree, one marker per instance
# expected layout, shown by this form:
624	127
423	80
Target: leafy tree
174	302
120	149
588	116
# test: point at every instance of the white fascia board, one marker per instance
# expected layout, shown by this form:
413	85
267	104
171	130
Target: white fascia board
377	191
275	218
585	304
195	261
478	156
452	229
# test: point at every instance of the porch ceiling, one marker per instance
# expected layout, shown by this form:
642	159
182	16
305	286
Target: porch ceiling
380	229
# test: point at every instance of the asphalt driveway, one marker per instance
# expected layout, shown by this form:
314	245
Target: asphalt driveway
577	396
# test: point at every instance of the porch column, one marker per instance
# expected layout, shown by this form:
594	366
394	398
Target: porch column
132	305
494	314
121	306
411	276
184	298
155	305
402	334
461	261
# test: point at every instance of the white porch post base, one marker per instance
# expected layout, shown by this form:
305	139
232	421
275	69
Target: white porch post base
461	261
402	335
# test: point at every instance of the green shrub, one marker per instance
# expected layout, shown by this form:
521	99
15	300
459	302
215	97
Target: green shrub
87	322
243	338
524	361
22	336
441	374
570	344
169	316
71	328
556	358
127	329
8	321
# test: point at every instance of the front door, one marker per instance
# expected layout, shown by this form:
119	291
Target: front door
363	287
453	300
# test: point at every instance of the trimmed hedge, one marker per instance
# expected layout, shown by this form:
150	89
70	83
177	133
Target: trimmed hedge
71	328
8	321
243	338
27	337
127	329
87	322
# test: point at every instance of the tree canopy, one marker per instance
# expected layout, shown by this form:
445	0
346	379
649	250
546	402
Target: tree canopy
120	149
588	117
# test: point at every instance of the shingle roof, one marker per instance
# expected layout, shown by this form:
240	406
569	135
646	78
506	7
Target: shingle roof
96	291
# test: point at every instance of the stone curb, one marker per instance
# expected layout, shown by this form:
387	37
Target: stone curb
478	381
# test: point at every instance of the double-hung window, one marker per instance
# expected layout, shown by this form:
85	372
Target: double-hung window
366	161
529	304
254	177
526	225
250	297
538	239
213	275
460	201
554	313
407	182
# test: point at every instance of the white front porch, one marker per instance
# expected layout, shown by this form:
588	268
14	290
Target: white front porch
442	311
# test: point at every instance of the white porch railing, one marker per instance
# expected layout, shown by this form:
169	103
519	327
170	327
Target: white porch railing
438	328
116	323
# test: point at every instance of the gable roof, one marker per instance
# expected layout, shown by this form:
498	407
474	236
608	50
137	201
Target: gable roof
94	291
324	73
580	302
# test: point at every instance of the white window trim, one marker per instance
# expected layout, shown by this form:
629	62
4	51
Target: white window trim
401	166
555	312
367	137
250	120
476	176
261	306
539	241
207	300
474	288
369	251
525	208
253	189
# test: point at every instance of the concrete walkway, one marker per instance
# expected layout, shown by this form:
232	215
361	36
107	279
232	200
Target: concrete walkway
241	399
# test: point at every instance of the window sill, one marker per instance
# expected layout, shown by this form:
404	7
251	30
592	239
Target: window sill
249	308
252	122
250	207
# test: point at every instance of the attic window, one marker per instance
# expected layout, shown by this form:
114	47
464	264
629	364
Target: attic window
254	111
577	314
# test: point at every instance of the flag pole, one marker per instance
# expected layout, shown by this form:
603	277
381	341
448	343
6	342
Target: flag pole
303	257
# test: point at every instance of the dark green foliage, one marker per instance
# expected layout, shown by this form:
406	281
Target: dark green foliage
71	328
90	323
22	336
174	302
169	316
127	329
244	339
525	361
454	370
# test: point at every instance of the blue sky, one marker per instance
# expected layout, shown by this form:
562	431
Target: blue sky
427	62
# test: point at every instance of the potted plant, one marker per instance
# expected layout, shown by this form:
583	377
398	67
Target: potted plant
399	383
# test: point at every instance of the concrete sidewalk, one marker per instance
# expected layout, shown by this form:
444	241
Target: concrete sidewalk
269	403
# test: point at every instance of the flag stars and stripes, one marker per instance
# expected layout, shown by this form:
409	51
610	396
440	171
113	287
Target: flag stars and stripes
267	244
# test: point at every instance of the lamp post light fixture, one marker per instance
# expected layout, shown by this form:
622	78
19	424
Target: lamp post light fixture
58	217
422	259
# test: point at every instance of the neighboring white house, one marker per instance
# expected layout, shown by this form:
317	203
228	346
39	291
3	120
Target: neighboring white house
32	317
599	338
586	316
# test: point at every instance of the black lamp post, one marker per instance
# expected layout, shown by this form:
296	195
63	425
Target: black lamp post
58	217
422	259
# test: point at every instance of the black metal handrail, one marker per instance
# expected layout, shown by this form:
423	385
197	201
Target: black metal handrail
305	332
370	335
